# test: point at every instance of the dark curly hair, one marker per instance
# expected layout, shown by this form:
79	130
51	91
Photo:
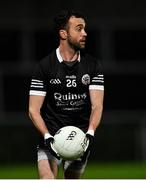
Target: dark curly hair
62	18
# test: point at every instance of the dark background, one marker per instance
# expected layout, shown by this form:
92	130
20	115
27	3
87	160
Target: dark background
116	35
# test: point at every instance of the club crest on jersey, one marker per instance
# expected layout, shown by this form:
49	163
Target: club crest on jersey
86	79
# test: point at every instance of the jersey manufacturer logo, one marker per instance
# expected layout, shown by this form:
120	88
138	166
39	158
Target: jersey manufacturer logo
55	81
86	79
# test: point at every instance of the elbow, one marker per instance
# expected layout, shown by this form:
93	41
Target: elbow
101	108
32	112
98	107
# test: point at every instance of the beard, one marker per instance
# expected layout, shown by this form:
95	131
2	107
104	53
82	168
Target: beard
76	45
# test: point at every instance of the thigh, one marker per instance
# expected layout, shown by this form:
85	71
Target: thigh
74	169
47	164
46	171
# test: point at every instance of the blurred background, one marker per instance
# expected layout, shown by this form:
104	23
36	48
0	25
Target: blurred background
116	35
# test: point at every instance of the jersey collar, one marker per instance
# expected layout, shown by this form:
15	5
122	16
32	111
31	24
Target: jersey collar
60	58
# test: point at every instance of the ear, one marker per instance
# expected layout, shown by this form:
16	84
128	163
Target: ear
63	34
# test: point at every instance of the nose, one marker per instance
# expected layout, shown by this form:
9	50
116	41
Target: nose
84	32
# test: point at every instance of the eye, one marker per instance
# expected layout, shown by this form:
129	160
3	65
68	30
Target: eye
79	28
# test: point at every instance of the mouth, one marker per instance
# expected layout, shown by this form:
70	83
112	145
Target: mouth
83	41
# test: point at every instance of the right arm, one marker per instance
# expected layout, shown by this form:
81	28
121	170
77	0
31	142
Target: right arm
35	104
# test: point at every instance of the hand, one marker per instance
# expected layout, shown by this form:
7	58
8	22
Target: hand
48	140
90	138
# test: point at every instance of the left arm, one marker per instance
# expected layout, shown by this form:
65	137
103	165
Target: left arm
96	97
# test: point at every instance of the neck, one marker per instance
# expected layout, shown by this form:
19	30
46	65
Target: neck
67	53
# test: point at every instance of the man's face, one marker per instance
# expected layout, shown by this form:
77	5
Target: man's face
76	35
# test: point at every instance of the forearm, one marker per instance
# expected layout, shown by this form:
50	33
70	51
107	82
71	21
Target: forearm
38	122
95	118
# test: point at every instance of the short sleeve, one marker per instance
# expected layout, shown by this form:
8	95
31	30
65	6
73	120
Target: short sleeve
97	79
38	85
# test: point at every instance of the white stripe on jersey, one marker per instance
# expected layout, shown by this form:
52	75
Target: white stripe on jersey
37	86
37	93
96	87
97	80
97	77
36	80
36	83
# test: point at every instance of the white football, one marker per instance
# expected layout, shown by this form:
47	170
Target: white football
70	142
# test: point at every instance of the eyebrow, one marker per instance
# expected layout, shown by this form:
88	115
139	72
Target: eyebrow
80	25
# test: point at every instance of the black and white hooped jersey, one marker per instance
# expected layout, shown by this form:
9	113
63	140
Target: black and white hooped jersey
66	89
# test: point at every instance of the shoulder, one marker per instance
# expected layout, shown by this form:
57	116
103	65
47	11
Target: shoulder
48	62
45	61
44	65
91	63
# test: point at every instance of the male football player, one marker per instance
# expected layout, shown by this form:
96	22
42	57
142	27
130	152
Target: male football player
67	88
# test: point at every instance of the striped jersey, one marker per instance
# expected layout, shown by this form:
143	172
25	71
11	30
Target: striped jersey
66	89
